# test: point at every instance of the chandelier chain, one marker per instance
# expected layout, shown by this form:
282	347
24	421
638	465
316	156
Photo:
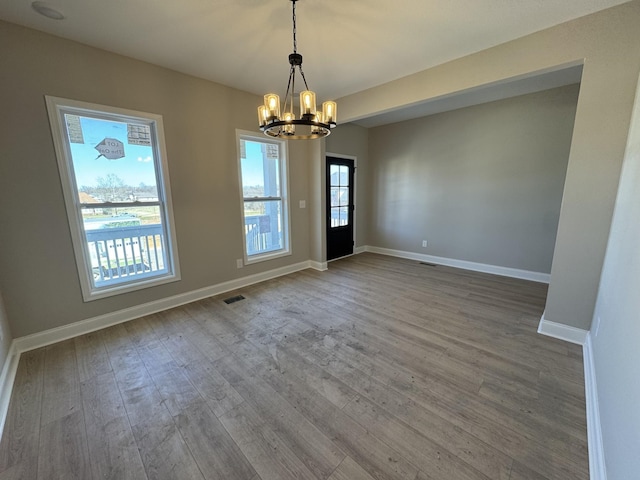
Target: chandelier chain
295	43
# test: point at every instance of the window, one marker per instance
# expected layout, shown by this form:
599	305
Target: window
112	164
264	197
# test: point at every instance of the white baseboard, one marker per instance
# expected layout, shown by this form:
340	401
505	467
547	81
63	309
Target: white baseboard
359	250
562	332
320	266
54	335
465	265
7	378
597	466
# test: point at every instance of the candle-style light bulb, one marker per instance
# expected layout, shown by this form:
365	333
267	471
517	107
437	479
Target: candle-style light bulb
307	103
272	104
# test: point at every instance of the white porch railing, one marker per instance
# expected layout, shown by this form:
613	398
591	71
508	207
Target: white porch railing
123	252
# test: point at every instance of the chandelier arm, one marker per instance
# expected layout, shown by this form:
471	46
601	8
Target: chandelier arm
291	83
293	89
303	78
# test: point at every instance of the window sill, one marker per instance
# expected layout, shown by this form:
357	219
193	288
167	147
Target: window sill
111	291
262	257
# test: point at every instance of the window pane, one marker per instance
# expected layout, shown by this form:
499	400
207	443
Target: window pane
112	161
263	226
260	165
124	244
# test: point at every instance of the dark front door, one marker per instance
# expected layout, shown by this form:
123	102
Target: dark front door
340	208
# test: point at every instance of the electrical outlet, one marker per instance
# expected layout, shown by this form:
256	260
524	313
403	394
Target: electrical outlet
424	244
239	263
303	204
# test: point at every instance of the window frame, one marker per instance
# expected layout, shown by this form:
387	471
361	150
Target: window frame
283	171
56	108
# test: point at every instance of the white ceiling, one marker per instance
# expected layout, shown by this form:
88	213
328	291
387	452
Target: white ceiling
348	45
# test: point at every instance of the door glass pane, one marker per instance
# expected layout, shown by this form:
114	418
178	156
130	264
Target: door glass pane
334	171
335	217
344	176
343	197
335	196
263	226
339	216
344	216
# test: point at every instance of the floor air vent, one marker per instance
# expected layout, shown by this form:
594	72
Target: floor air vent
235	299
428	264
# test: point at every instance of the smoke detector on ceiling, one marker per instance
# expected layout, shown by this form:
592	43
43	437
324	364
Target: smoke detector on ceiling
47	10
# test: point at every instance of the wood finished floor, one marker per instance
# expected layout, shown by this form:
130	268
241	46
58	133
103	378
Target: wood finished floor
378	368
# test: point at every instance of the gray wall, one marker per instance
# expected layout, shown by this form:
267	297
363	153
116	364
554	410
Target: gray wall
615	333
353	140
38	276
5	343
607	44
482	184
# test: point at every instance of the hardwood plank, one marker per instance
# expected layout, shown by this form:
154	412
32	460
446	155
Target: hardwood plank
91	356
468	448
20	441
164	453
115	337
176	390
144	405
478	418
155	357
101	399
22	470
350	470
63	449
213	387
140	331
61	394
269	455
129	369
348	435
112	448
217	455
419	449
308	443
520	472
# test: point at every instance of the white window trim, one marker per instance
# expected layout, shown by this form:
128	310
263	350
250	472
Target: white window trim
284	195
55	106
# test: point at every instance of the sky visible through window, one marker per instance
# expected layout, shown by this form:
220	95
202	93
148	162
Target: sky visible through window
134	168
252	166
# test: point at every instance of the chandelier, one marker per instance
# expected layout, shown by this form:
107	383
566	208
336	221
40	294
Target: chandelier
311	123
